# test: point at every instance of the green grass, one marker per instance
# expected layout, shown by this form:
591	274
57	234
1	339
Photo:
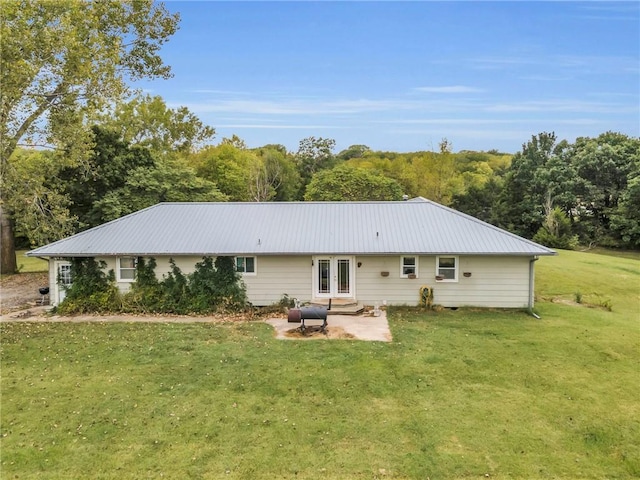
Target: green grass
457	394
30	264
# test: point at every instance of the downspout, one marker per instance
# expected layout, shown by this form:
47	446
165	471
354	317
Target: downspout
531	293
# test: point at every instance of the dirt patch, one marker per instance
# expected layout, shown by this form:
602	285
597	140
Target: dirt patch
317	333
20	291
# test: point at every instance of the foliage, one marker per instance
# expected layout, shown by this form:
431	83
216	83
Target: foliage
168	181
41	209
60	62
437	175
354	151
273	176
346	183
480	201
148	122
606	164
92	291
216	289
106	170
228	167
210	288
555	232
540	178
313	155
625	220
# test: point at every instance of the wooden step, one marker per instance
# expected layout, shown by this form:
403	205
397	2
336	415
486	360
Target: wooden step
340	306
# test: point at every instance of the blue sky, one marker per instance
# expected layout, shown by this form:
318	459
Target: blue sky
400	76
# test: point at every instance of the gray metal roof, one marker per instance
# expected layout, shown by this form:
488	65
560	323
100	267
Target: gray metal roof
412	227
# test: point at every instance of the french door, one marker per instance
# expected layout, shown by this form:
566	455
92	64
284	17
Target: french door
333	277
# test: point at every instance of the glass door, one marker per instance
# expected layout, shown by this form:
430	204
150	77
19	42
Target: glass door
333	277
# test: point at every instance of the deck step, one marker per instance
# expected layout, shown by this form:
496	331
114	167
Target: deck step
341	306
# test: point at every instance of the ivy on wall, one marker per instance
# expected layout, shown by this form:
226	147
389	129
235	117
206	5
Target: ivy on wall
212	287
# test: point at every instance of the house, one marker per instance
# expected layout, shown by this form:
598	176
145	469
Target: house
370	252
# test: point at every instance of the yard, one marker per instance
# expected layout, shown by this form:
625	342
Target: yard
457	394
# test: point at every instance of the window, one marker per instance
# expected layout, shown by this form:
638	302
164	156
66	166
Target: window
246	265
64	275
127	269
447	269
408	266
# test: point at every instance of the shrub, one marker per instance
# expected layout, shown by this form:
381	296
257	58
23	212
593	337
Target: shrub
92	290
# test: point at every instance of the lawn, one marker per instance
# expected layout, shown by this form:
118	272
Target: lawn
457	394
30	264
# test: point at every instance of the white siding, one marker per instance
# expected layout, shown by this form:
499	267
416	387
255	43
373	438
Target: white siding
276	276
372	287
495	281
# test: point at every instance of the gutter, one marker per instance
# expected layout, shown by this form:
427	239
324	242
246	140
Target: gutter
531	293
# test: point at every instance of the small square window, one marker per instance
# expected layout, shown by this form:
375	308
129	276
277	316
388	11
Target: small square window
246	265
447	269
127	269
408	266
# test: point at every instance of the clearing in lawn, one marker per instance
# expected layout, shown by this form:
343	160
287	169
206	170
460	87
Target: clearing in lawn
456	394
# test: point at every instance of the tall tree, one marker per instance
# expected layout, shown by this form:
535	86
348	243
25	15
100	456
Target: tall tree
62	60
107	169
605	164
314	154
147	121
539	179
437	175
228	167
273	176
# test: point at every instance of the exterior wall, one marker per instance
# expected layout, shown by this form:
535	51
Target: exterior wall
495	281
372	287
276	275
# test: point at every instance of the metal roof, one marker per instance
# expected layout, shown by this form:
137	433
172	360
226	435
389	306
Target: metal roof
408	227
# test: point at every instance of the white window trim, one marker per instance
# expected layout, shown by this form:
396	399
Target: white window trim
457	268
126	280
402	274
255	265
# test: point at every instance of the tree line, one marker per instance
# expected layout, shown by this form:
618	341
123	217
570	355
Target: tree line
79	147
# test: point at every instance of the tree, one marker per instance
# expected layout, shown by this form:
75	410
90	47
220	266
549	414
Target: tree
234	141
345	183
228	167
62	60
167	181
437	175
41	209
314	154
273	176
540	178
111	162
354	151
604	164
148	122
625	221
480	201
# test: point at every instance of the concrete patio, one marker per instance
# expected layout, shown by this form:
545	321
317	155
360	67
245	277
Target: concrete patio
358	327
